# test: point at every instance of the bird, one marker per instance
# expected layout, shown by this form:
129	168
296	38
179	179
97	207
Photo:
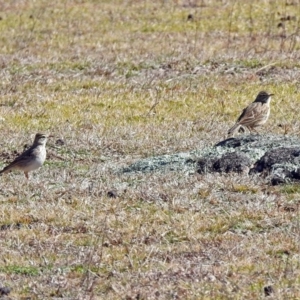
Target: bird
32	158
254	115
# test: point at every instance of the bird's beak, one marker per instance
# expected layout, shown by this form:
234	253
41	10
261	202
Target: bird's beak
271	95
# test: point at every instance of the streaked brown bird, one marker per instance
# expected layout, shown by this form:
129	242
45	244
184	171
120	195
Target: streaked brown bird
32	158
254	115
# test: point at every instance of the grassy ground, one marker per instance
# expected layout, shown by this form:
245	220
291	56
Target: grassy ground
117	81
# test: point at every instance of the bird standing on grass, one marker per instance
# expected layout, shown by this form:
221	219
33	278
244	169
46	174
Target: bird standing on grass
32	158
254	115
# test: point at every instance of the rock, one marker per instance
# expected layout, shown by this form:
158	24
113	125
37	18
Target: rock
112	194
282	163
277	157
4	290
229	162
169	162
268	290
59	142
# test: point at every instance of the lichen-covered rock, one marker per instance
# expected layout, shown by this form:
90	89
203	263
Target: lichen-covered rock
169	162
280	175
281	163
275	156
278	156
228	162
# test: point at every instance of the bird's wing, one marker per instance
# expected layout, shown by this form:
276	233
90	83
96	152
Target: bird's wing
251	113
21	160
242	114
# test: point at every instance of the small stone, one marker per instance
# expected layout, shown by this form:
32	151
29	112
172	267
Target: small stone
4	290
59	142
190	17
268	290
112	194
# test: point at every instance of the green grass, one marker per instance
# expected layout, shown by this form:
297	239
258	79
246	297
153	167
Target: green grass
18	270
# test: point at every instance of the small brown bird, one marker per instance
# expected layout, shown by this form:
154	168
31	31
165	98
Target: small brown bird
254	115
32	158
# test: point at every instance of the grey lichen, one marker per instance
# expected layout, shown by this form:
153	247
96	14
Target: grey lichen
277	157
169	162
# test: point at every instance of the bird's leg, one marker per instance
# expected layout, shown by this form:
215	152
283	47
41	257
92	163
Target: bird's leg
242	129
256	131
26	175
251	129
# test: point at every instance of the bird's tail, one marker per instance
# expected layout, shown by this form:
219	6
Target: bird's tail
234	129
6	169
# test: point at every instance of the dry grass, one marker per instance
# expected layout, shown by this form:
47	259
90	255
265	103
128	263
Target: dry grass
122	80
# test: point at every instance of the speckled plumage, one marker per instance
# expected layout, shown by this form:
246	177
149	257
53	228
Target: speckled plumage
32	158
254	115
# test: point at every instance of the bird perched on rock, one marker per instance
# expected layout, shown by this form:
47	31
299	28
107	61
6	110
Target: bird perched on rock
254	115
32	158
